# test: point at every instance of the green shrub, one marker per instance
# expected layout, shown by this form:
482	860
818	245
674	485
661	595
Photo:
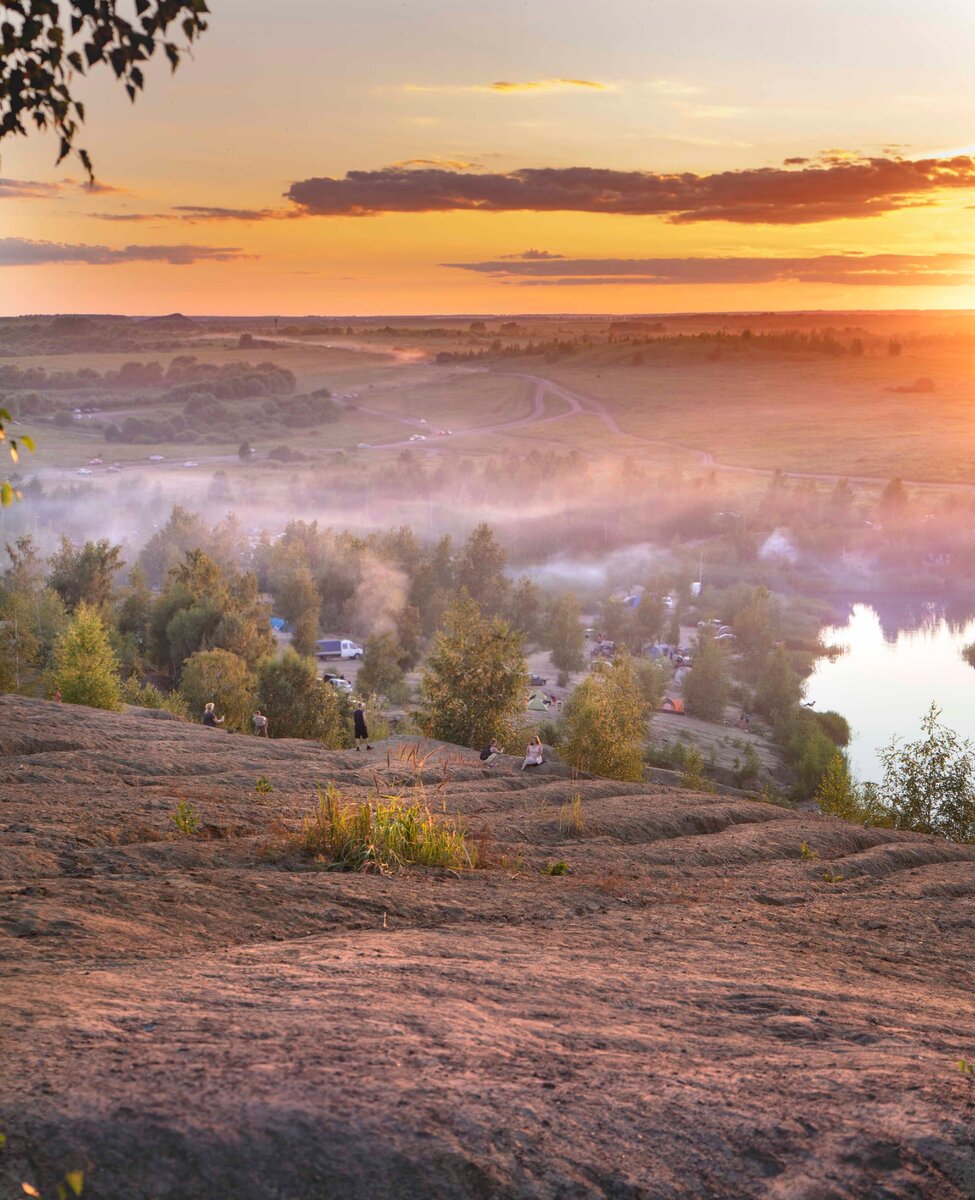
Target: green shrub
550	732
651	679
839	795
835	726
384	835
606	724
806	749
707	686
223	678
667	755
473	685
85	668
298	704
751	766
185	819
929	785
142	695
692	776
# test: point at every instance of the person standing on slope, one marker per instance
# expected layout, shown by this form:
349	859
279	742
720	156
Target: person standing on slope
210	718
359	727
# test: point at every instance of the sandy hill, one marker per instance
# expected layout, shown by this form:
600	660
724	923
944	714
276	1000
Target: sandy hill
691	1012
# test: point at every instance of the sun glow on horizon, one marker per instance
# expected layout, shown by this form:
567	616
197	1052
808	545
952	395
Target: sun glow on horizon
220	191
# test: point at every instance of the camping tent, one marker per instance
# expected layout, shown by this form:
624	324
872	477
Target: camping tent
672	704
538	702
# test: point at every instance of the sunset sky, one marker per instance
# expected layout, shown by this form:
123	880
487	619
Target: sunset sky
438	156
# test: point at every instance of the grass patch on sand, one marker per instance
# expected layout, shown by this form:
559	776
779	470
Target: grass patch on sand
385	834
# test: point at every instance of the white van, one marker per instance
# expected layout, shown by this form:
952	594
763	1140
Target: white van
337	648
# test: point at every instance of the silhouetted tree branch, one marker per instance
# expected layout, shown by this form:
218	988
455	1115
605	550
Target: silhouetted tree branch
45	44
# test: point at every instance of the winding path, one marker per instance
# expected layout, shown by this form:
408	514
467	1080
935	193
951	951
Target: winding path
579	403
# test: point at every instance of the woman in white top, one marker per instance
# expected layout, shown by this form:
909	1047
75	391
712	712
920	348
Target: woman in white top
533	755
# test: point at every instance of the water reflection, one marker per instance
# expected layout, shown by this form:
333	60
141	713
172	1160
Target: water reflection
909	616
897	660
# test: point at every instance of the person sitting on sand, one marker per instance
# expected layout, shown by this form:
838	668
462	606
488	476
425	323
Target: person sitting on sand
533	755
490	753
210	718
260	724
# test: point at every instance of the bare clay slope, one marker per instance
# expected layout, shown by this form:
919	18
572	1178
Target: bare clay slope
692	1012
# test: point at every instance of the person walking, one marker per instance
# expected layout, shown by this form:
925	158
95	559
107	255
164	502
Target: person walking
260	724
210	718
533	755
359	726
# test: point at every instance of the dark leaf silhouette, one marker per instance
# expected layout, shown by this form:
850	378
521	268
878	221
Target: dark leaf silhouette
38	70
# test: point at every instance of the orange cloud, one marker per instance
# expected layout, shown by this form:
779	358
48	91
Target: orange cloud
207	212
888	270
192	213
533	255
450	164
508	87
822	191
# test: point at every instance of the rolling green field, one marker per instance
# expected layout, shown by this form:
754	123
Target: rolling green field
746	405
819	415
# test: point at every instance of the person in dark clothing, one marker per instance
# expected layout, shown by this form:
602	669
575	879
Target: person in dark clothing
490	753
359	727
210	718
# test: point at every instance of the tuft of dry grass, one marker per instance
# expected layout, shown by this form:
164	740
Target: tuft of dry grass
571	819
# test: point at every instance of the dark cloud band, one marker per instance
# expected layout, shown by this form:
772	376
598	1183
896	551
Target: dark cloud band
22	252
823	191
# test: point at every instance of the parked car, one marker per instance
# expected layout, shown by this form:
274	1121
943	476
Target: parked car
537	680
191	463
157	458
83	471
339	682
95	462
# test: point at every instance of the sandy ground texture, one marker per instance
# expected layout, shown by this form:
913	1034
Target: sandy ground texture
692	1011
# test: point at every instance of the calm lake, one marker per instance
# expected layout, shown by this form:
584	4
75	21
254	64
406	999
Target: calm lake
895	663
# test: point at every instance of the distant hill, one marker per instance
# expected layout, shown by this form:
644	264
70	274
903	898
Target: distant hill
721	998
173	321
